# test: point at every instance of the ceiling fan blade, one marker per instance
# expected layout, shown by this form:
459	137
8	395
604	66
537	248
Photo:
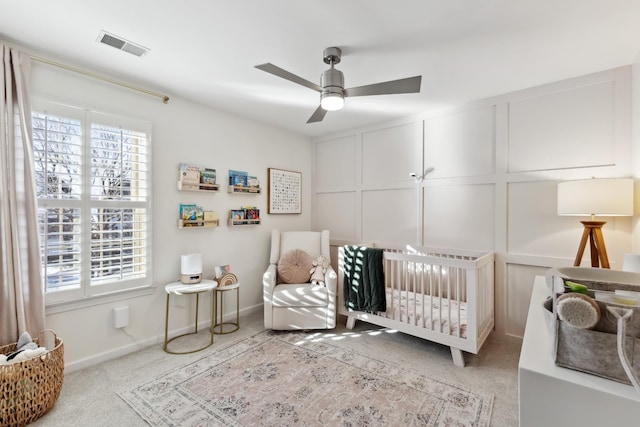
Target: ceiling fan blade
317	115
277	71
408	85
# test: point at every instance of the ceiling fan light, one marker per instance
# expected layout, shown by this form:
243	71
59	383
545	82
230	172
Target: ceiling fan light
332	101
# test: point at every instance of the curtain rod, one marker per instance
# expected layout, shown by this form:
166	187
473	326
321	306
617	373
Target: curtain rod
165	99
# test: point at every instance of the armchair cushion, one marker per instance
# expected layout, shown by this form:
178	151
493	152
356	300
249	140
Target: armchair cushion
300	295
295	267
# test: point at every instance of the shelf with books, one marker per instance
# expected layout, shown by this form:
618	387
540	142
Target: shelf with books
248	215
203	188
196	178
192	215
240	182
233	222
202	223
239	189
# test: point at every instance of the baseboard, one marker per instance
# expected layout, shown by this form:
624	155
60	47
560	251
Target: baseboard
139	345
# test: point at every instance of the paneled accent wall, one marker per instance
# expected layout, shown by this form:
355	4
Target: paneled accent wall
494	167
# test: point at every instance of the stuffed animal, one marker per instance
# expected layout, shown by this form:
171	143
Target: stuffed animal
320	265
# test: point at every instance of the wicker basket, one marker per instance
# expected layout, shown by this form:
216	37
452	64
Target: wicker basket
30	388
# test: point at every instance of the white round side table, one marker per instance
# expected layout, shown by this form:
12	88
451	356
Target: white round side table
218	325
179	288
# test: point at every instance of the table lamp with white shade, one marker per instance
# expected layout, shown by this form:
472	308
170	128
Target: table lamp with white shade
591	197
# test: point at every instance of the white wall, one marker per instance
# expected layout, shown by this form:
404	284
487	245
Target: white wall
493	187
635	151
182	132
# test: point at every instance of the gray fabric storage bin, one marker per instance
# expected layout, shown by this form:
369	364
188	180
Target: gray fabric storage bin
594	351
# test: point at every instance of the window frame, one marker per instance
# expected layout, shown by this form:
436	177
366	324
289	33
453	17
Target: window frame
87	293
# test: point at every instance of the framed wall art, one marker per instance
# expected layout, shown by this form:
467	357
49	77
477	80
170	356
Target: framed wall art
285	192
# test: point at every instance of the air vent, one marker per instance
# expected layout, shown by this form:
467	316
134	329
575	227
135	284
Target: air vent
122	44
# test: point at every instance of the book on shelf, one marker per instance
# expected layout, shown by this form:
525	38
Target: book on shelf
208	178
252	181
189	176
238	178
199	213
237	214
251	213
188	212
210	216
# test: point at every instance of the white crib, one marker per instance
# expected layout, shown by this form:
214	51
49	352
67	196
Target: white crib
442	295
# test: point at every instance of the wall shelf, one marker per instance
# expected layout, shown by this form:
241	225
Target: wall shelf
198	223
238	189
233	222
202	188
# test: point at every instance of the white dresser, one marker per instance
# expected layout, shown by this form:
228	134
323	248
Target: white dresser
550	395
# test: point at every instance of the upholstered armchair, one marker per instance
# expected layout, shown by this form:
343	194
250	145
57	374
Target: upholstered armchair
290	300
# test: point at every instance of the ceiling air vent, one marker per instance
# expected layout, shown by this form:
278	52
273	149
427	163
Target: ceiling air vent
122	44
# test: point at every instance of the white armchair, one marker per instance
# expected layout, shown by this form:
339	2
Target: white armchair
299	305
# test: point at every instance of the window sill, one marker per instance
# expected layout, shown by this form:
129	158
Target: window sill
63	306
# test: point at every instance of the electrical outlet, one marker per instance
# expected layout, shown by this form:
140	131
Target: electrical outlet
121	317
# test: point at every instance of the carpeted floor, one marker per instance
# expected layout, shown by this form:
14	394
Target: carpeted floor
287	379
90	397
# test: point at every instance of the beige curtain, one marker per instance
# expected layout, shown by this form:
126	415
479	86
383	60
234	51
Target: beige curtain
22	296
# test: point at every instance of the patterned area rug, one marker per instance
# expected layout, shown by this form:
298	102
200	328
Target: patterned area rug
284	379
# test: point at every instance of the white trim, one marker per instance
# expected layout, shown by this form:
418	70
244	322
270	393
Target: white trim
155	340
77	304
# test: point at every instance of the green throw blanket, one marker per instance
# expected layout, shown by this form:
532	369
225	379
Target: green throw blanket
364	287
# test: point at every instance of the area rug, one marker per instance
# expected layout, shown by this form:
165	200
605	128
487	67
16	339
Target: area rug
285	379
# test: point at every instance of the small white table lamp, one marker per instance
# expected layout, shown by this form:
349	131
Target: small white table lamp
591	197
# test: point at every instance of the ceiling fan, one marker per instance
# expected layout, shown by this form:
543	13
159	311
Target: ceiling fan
331	88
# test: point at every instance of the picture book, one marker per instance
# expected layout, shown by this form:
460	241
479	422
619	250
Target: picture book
252	181
236	214
252	213
238	178
189	176
188	212
208	177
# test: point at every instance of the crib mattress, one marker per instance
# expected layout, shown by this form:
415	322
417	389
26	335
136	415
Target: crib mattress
434	313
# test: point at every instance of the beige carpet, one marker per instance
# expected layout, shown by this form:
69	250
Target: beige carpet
285	378
89	397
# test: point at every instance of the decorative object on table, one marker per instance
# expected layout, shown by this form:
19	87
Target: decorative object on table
285	192
227	279
29	388
191	268
220	270
311	381
607	348
320	265
591	197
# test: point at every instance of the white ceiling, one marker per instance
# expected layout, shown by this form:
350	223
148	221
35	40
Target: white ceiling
206	50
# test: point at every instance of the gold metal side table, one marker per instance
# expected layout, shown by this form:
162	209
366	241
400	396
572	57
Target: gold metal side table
179	288
219	326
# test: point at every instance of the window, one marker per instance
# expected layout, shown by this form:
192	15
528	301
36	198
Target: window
93	179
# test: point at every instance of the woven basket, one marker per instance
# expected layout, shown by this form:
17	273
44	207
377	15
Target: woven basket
30	388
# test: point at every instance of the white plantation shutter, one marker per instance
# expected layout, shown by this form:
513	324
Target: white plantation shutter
93	182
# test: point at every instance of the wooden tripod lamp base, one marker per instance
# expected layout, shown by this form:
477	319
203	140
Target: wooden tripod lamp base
593	233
